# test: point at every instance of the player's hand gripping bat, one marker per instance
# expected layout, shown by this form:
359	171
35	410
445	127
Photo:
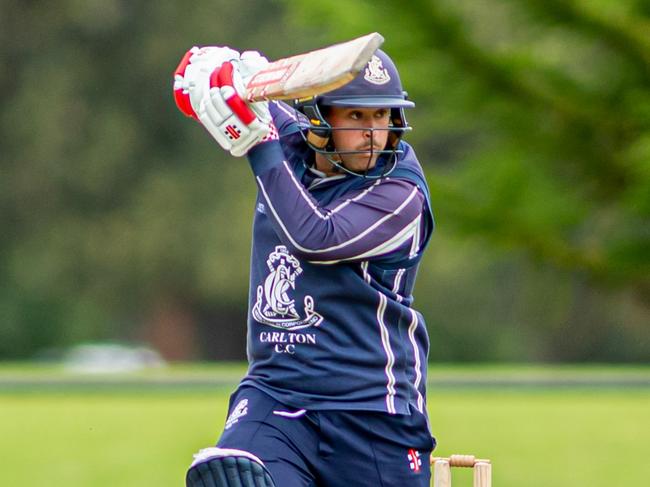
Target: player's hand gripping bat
226	100
298	76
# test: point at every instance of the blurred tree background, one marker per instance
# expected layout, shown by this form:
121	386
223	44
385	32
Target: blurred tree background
122	221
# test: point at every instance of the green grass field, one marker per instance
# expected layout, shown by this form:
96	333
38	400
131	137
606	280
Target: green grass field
567	426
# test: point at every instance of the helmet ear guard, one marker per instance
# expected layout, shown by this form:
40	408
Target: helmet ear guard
320	130
399	124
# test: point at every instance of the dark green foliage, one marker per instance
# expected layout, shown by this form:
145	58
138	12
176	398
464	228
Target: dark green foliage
532	121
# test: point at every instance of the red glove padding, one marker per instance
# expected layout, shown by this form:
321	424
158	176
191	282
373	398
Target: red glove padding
222	78
182	96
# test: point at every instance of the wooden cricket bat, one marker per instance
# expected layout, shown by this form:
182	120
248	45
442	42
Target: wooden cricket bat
314	72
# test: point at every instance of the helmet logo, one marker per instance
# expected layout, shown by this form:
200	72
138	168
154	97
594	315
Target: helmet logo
376	73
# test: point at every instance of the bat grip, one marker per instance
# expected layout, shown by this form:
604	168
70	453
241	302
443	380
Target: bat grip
222	78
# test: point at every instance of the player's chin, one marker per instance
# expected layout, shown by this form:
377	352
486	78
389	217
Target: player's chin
361	162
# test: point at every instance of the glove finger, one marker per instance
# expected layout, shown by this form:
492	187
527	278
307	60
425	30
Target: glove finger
197	83
216	106
249	63
227	79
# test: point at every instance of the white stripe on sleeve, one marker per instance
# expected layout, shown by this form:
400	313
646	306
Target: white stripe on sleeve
320	215
410	231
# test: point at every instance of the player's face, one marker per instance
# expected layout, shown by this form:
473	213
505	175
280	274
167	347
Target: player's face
358	136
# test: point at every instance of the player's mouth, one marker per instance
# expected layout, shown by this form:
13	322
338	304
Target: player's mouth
373	148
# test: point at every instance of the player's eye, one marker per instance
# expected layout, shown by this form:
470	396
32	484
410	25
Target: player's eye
381	114
356	115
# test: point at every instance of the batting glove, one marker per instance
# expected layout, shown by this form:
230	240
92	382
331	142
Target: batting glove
219	104
235	124
192	76
250	62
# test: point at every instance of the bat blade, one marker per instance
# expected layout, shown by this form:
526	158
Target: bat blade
314	72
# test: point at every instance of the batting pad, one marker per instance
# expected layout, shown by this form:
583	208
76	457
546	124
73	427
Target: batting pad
223	467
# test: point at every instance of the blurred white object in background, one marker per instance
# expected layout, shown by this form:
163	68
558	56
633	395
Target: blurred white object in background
110	358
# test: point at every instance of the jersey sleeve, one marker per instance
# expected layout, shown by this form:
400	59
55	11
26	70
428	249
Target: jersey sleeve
284	117
381	219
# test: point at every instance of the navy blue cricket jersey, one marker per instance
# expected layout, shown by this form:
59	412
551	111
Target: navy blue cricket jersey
334	261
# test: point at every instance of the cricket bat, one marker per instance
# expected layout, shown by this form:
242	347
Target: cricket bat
314	72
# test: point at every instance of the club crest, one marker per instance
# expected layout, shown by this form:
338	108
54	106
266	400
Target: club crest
274	305
375	72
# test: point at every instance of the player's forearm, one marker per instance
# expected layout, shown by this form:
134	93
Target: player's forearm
285	117
377	221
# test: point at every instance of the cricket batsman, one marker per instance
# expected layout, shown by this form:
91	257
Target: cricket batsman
335	392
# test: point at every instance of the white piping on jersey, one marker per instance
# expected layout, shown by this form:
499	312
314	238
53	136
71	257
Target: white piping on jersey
415	246
355	199
416	354
397	283
301	190
364	269
287	414
281	107
390	362
314	208
319	181
342	244
408	232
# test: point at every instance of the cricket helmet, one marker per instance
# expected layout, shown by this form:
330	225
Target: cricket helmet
378	85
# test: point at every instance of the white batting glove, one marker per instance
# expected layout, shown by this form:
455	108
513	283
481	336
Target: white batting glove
192	76
235	124
249	63
217	100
